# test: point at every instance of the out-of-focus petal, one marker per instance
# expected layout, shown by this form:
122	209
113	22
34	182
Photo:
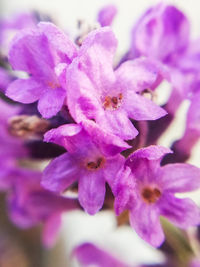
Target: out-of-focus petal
90	255
106	15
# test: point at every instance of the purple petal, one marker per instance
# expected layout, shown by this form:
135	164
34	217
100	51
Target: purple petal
137	75
109	144
90	255
150	153
60	173
59	39
179	177
30	52
25	90
145	220
91	191
96	57
106	15
117	123
51	102
62	136
141	108
182	212
50	230
161	32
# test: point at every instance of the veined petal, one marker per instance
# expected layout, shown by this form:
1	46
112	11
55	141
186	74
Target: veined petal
179	177
181	212
58	39
60	173
25	90
145	220
51	102
117	123
96	57
91	191
137	75
141	108
30	52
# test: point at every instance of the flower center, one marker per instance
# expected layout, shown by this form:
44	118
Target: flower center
112	103
94	165
150	195
53	85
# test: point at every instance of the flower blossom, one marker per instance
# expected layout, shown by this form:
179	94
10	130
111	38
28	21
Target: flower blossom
92	159
43	52
148	191
95	91
30	204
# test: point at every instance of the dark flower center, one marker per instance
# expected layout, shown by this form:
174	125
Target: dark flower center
94	165
112	102
150	195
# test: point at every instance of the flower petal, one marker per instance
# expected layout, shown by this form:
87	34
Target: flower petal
106	15
145	220
117	122
137	75
51	102
60	173
96	57
25	90
141	108
30	52
59	39
179	177
91	191
182	212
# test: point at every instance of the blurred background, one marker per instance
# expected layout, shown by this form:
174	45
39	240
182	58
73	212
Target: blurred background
78	227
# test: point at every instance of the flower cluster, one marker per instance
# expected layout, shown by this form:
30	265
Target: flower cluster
103	126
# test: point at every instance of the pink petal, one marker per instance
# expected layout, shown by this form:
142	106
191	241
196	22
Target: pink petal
51	102
60	173
145	220
25	90
91	191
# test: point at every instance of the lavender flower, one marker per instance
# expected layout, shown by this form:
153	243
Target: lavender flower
106	15
30	204
110	97
148	191
44	53
88	254
93	159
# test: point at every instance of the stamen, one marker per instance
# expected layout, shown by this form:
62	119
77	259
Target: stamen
151	195
94	165
112	103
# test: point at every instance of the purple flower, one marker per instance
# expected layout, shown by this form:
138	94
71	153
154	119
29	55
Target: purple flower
93	159
148	191
5	79
11	148
106	15
30	204
88	254
161	33
43	52
9	27
95	91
